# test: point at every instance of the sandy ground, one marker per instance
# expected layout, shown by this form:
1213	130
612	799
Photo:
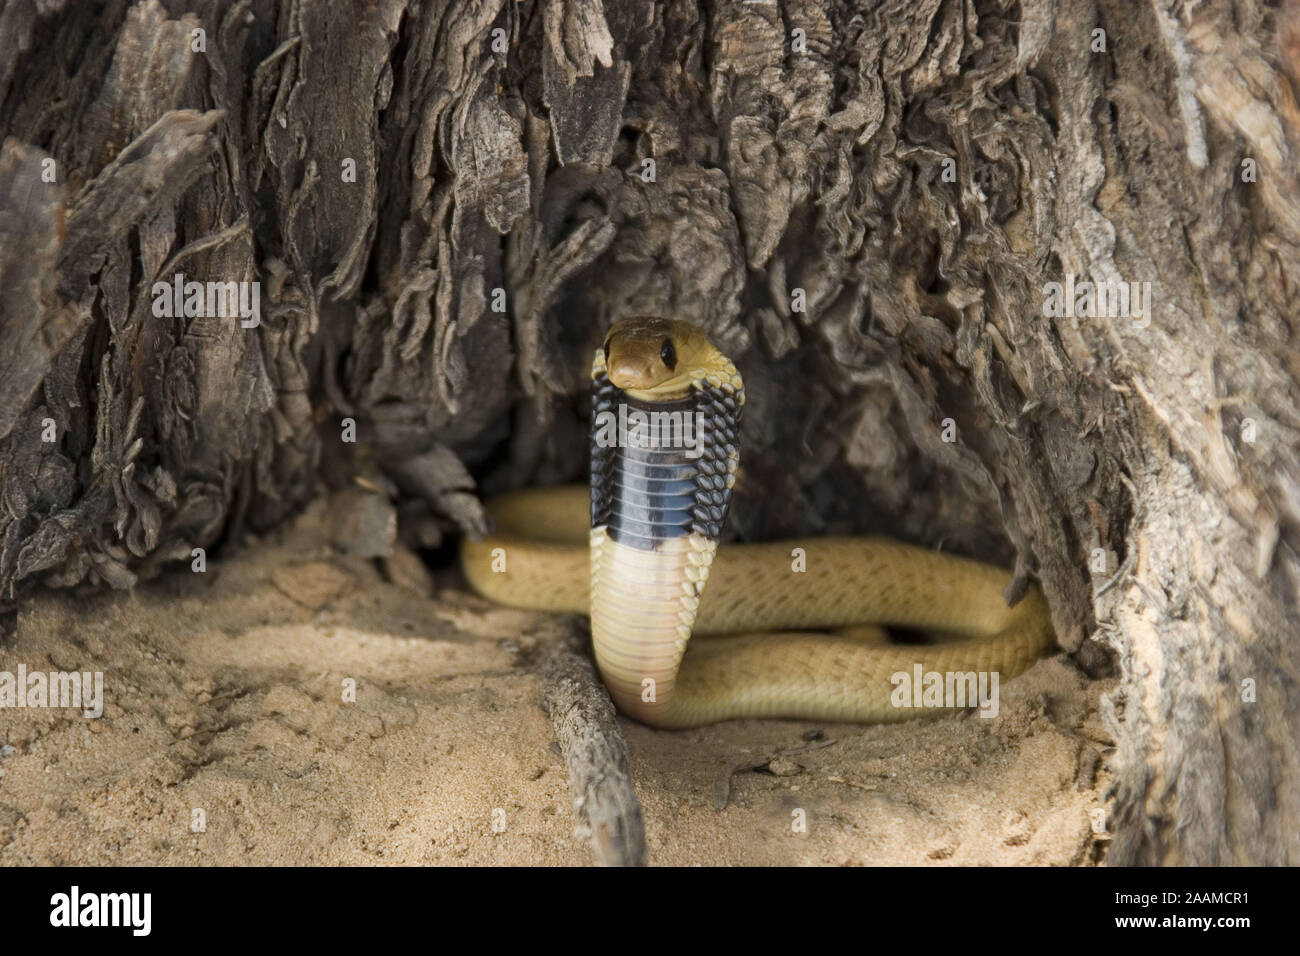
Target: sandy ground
225	694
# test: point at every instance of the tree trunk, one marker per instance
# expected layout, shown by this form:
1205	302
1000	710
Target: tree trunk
864	202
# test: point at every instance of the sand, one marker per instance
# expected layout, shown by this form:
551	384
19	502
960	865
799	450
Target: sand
226	739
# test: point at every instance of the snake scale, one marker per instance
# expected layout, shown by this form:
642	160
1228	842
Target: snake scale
775	636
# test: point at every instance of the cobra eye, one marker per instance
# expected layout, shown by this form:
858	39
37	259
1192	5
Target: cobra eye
668	354
606	353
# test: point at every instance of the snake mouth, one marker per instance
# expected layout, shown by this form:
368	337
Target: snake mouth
629	372
643	380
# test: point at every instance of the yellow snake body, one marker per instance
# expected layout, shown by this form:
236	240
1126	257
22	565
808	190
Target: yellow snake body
641	569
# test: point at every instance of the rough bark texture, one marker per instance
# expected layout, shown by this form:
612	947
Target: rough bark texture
919	169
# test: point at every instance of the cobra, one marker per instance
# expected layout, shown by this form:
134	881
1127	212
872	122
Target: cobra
687	632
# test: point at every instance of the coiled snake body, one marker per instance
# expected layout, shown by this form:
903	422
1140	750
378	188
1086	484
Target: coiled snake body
638	547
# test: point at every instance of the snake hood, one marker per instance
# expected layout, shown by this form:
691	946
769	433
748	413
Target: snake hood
658	499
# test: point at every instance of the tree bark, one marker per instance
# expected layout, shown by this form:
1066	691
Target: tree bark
862	201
